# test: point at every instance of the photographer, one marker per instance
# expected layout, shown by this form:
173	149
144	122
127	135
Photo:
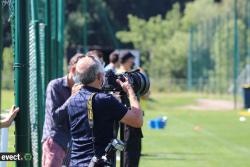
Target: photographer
133	136
88	142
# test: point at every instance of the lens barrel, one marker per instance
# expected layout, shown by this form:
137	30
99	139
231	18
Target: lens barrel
138	80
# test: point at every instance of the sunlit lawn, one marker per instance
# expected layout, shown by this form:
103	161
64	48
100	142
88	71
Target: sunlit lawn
194	138
191	138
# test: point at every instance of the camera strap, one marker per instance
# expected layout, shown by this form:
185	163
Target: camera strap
91	117
90	111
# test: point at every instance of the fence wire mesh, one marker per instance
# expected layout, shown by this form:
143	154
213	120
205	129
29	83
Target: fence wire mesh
212	55
33	93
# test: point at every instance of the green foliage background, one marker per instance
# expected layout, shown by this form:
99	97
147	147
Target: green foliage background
166	39
163	39
7	74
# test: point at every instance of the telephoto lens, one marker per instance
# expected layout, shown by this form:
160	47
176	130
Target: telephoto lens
138	80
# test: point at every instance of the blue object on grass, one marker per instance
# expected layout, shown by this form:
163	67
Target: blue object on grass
158	123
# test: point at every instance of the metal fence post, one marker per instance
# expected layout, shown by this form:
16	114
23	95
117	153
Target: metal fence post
236	52
189	60
228	49
60	38
48	75
21	80
1	56
219	60
54	42
248	29
85	26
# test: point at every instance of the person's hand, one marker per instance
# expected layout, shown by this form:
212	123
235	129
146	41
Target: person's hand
76	88
126	86
13	112
12	115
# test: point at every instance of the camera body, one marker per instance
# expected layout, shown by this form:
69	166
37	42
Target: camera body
138	80
104	161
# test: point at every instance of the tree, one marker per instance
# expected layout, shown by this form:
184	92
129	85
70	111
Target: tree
163	39
166	39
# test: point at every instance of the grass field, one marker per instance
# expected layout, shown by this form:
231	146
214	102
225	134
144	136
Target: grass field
191	139
194	138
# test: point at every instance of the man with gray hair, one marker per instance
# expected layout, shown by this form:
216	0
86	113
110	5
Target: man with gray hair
88	142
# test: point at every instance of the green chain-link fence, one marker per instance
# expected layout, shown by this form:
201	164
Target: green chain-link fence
31	29
219	52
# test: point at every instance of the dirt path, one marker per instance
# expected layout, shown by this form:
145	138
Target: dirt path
212	105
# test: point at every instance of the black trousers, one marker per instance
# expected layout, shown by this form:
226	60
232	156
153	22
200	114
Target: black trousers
132	153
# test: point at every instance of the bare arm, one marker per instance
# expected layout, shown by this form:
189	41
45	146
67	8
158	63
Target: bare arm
134	116
6	122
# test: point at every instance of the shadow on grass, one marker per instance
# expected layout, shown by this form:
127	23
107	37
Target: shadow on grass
179	156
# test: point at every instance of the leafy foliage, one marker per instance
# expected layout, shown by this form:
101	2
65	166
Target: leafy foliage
7	74
167	39
163	38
